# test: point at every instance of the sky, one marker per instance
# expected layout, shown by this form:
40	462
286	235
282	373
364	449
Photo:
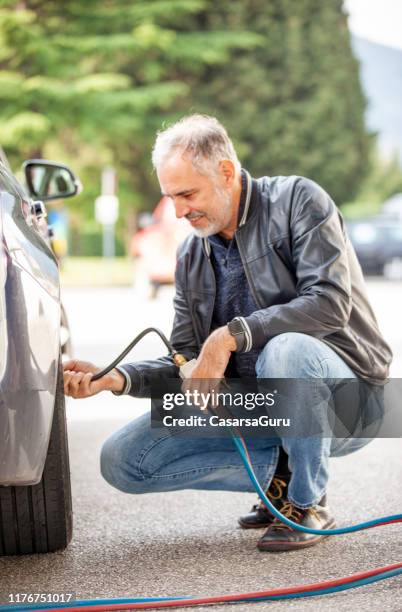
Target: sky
377	20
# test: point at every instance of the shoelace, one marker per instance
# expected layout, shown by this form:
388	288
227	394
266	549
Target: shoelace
291	512
278	484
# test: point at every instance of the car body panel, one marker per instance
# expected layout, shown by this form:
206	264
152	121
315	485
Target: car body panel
377	242
29	337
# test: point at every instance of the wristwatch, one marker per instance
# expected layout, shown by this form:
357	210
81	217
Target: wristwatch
236	329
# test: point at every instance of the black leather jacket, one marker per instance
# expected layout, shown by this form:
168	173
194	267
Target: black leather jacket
303	274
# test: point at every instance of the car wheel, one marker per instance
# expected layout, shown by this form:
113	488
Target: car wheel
38	518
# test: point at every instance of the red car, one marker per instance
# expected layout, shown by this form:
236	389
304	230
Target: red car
156	244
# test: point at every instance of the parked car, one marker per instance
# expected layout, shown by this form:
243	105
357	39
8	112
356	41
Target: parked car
155	245
35	492
392	208
377	242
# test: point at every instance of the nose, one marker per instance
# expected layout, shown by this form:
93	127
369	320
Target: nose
181	208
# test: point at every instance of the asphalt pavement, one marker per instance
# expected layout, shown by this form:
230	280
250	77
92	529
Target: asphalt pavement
188	542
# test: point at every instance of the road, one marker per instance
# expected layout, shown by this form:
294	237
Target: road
187	542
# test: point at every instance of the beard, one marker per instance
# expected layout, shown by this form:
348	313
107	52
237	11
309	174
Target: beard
220	216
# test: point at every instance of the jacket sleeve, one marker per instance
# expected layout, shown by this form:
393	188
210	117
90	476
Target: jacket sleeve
319	261
142	374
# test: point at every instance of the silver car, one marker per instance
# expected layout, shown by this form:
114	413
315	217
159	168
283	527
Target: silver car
35	492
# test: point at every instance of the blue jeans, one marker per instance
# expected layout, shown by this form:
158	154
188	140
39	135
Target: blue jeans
133	461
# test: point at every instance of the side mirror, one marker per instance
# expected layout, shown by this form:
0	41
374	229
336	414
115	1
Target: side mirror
47	180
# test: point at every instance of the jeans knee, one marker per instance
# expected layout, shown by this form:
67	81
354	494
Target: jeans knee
109	464
290	355
116	471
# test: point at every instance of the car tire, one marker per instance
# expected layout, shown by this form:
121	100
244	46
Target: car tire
38	518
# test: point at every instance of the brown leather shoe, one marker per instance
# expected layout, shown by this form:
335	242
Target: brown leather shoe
279	537
259	515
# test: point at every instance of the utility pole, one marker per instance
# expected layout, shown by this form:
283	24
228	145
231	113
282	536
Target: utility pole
107	211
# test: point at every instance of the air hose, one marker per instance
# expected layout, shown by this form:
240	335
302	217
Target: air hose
306	590
148	330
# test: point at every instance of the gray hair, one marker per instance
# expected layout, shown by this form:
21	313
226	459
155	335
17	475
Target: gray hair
200	136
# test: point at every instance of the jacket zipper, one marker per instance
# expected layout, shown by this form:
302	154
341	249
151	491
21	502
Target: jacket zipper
247	273
213	305
214	279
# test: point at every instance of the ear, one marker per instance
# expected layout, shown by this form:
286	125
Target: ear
227	171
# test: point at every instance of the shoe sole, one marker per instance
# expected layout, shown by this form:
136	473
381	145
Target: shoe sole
254	525
282	546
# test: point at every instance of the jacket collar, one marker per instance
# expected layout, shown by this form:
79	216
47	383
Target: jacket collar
245	197
244	205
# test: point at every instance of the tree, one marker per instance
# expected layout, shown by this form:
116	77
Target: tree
294	105
91	82
95	79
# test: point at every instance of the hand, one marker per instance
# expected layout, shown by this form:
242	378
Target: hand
211	364
215	354
77	379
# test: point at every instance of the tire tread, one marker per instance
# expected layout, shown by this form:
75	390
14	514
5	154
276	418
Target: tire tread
38	518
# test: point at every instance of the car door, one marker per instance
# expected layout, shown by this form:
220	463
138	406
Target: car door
29	350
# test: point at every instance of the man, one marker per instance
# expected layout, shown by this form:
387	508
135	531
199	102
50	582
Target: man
268	287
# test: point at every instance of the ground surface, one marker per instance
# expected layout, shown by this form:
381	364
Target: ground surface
187	543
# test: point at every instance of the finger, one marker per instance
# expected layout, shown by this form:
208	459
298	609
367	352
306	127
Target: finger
67	377
215	388
85	387
205	390
197	393
69	365
186	385
190	388
75	383
75	365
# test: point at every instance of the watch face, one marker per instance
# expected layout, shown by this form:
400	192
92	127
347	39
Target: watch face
236	330
235	327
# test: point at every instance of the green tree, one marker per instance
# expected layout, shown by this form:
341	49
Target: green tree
91	82
95	79
294	104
